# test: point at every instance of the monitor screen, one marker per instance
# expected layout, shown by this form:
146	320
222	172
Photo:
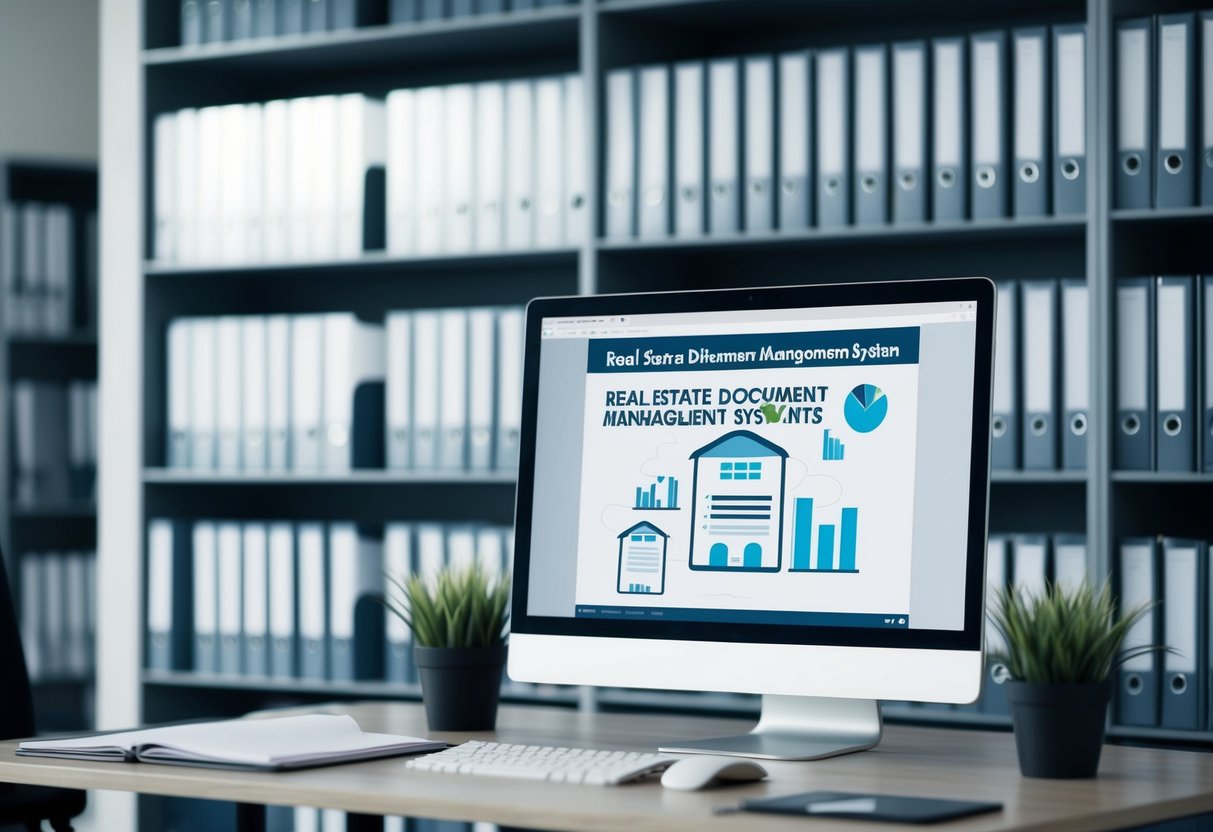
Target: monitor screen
795	466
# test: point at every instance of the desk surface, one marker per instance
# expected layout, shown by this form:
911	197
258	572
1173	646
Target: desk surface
1135	785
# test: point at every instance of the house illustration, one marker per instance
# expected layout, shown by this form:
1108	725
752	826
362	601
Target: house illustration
642	550
737	504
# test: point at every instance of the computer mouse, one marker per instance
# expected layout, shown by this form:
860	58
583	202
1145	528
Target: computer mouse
704	772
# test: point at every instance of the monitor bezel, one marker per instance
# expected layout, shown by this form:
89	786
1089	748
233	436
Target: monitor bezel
978	289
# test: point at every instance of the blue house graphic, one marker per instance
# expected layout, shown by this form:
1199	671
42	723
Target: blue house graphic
642	550
737	504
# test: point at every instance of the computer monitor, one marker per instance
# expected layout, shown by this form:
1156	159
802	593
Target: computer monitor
778	491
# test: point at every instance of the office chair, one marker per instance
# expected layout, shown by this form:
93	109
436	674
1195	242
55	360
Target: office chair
21	804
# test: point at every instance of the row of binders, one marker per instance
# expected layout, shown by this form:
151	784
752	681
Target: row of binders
1164	373
308	819
276	599
47	267
1042	376
438	170
217	21
58	612
55	442
429	390
979	127
1164	111
1169	689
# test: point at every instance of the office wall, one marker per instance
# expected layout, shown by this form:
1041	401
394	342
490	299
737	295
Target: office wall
48	78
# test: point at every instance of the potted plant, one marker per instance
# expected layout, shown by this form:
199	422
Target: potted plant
458	620
1061	648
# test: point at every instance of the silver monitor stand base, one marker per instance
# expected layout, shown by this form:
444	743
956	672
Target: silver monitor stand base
798	728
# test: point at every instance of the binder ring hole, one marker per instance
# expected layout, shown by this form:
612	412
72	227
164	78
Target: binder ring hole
947	178
720	190
833	185
1130	425
1172	425
999	674
1179	683
653	197
1078	424
999	427
1209	159
908	180
1039	426
1069	169
1029	172
214	8
1174	163
619	198
1134	684
189	9
868	183
1132	164
791	188
758	187
690	194
578	201
986	176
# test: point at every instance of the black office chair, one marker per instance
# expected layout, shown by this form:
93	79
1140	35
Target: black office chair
19	804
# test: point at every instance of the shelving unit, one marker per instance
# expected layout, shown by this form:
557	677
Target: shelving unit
591	38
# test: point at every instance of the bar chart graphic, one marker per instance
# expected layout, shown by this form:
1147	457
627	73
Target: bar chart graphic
832	448
835	542
661	495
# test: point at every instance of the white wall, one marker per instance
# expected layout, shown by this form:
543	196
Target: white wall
48	78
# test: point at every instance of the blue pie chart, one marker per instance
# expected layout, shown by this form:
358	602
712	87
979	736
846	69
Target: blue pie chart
865	408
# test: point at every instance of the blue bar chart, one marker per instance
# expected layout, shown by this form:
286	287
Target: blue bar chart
832	449
836	542
661	495
802	534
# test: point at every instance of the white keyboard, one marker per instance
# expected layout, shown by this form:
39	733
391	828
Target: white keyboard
541	762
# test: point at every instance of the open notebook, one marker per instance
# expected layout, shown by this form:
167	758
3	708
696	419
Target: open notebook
275	744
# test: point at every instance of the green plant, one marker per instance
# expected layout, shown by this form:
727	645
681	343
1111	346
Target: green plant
458	608
1064	636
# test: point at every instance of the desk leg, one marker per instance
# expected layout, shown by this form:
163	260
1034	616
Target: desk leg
250	817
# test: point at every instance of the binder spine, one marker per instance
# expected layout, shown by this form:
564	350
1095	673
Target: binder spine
1175	171
949	185
988	137
1031	174
870	186
1069	119
1175	437
1134	67
910	136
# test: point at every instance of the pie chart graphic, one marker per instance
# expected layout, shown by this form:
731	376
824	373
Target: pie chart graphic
865	408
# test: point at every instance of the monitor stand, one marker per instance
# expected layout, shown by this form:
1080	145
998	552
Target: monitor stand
798	728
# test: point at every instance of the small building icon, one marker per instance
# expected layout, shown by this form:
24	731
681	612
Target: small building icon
737	504
642	550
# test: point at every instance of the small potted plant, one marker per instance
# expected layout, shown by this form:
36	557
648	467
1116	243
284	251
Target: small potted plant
458	620
1061	648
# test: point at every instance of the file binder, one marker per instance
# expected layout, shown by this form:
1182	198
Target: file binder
1069	119
355	569
316	15
724	146
322	212
191	22
1030	193
276	173
870	183
228	545
209	161
77	655
1206	110
227	392
398	560
1039	385
430	166
169	613
203	394
1031	565
253	395
164	193
178	383
433	9
690	132
993	690
215	21
910	131
1134	361
186	182
307	392
361	161
453	389
576	162
759	143
425	395
1069	561
354	374
264	12
460	548
1175	169
242	20
57	300
949	191
1174	374
458	108
403	11
282	633
520	165
10	268
795	118
653	152
206	600
988	106
1134	113
1137	680
1207	386
431	552
1183	576
481	395
1075	373
350	14
510	324
402	153
489	181
31	624
398	366
489	552
620	209
278	392
833	138
52	623
549	168
255	631
300	190
313	601
235	176
253	232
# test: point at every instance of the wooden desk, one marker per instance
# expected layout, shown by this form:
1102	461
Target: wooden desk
1135	786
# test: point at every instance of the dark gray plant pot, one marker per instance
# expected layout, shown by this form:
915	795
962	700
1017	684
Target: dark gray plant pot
1059	728
460	686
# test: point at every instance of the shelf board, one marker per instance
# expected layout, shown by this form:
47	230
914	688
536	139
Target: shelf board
175	477
1195	213
66	511
75	340
1164	477
1038	477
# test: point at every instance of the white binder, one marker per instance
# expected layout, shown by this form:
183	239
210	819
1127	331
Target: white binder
1030	192
431	552
32	277
278	392
300	187
253	397
203	412
399	392
1175	374
653	152
10	267
179	384
833	139
510	324
254	184
989	113
160	597
1134	171
460	547
871	136
909	132
453	389
458	111
689	140
228	406
209	161
361	150
58	271
1069	119
481	394
78	657
426	357
759	143
228	543
724	146
520	165
1031	565
276	180
431	168
1075	372
620	180
255	630
402	153
397	566
206	601
164	191
307	392
549	163
1005	422
281	544
313	634
322	213
1134	361
1069	562
489	181
355	569
234	177
1175	169
353	358
490	552
795	117
1039	374
185	211
576	163
949	186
